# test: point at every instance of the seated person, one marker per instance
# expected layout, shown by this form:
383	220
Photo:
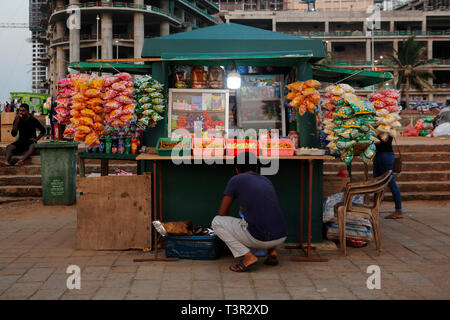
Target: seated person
26	125
263	225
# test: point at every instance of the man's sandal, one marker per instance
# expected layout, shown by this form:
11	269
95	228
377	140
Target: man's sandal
241	267
271	261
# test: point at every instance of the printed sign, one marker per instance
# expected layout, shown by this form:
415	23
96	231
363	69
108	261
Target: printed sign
56	186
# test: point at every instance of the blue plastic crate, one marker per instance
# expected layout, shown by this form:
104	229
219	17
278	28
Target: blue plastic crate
193	247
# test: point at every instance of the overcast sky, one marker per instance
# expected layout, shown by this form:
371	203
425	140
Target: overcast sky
15	52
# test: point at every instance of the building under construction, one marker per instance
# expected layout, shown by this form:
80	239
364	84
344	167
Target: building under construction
111	29
344	31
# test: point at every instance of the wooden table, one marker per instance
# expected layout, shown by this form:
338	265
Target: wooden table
104	158
309	160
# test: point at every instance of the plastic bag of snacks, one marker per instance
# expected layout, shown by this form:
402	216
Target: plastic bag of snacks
87	111
64	102
117	97
151	101
304	96
350	125
387	115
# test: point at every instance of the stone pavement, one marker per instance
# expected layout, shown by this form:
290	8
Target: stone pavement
37	245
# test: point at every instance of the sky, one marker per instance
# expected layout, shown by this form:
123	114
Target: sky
15	52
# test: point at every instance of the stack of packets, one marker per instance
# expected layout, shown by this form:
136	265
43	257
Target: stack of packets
150	101
304	96
64	101
87	109
333	94
387	112
117	100
351	124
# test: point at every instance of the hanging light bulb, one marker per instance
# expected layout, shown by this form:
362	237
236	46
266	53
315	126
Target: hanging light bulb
234	80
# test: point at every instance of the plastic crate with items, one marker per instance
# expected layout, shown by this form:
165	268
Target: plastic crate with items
151	102
118	102
387	112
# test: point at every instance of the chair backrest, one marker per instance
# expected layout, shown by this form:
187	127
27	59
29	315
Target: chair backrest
375	186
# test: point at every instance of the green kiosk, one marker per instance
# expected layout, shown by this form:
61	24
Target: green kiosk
194	191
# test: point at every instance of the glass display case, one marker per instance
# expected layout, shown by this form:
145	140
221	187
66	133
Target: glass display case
192	108
260	103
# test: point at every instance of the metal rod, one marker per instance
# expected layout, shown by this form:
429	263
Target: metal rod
311	165
160	191
154	200
302	169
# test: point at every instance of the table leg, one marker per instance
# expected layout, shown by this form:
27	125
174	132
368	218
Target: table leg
156	238
82	168
104	167
308	254
300	242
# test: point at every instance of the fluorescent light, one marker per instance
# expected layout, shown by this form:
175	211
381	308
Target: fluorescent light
234	80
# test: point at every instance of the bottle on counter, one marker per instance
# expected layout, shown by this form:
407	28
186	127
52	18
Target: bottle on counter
121	144
134	144
108	143
293	135
128	145
114	143
102	146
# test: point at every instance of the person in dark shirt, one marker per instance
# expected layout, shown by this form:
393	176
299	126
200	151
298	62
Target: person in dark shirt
384	161
26	125
263	226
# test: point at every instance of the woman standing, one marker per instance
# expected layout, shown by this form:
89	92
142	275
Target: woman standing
384	161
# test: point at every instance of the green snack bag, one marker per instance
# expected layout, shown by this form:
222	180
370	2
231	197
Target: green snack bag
344	144
344	112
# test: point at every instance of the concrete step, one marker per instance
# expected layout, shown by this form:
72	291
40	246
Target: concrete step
33	170
411	196
420	186
18	180
17	199
406	176
20	191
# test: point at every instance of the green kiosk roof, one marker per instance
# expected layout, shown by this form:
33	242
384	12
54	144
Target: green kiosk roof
233	42
353	77
111	67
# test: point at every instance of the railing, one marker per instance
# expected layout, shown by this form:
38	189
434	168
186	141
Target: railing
193	6
384	62
94	37
116	4
215	5
376	33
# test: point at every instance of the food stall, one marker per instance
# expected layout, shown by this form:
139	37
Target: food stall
267	62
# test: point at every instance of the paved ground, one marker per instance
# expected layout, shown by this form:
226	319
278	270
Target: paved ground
37	245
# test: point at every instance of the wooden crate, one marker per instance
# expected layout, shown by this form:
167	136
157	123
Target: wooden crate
7	118
5	136
333	184
114	212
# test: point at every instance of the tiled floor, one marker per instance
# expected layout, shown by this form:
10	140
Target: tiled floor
37	244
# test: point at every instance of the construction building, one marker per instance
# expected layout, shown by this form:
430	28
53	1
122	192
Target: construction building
39	47
345	36
78	30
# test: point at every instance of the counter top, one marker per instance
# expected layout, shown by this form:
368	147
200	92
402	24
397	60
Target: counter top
144	156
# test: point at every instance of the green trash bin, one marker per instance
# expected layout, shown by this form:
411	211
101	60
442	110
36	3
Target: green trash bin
59	172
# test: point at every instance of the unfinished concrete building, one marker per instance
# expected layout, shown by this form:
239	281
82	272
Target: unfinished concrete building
112	29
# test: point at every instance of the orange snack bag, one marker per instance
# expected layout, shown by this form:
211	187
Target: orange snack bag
88	113
314	99
297	86
302	109
86	121
312	83
291	95
98	126
308	91
84	130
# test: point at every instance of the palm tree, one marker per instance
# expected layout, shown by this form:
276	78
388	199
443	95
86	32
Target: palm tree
408	60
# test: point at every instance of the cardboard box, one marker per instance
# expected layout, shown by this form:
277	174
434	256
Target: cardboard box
7	118
5	135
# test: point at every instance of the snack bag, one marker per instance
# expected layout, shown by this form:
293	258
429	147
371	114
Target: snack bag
295	86
312	83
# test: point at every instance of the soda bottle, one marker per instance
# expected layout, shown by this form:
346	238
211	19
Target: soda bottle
134	144
128	145
108	143
114	143
101	147
121	144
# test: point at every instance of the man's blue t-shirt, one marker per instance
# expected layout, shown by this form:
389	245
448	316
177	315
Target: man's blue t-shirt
260	205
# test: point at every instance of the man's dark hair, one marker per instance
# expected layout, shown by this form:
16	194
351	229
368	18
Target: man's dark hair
24	105
246	161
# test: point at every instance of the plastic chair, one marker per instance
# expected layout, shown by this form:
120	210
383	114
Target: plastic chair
369	211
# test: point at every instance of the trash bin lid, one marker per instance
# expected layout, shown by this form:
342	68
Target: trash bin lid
57	144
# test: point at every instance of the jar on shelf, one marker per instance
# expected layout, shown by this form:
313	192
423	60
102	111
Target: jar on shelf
293	135
198	77
215	77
